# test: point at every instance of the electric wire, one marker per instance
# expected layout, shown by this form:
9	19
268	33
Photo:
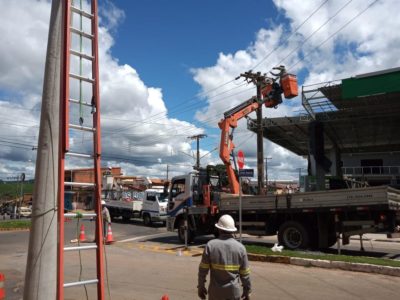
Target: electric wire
209	91
163	117
315	31
285	40
336	32
204	93
312	14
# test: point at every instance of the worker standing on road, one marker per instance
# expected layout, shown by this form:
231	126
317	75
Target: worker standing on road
106	218
227	261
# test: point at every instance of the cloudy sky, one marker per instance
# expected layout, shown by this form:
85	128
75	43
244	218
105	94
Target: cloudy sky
167	70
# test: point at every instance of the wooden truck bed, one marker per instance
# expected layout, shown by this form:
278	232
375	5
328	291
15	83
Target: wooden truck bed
381	195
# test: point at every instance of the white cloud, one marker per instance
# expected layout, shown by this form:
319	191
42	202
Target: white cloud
127	103
368	43
23	30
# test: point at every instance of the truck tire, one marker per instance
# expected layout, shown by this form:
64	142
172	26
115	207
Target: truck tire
147	220
181	233
293	235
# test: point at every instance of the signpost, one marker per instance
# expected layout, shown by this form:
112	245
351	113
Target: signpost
242	173
246	173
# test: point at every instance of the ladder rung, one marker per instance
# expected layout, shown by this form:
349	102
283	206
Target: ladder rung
79	155
85	215
90	80
81	12
81	184
83	282
84	128
80	54
80	102
77	248
82	33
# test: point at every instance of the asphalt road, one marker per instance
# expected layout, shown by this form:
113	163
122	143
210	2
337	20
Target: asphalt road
148	262
375	245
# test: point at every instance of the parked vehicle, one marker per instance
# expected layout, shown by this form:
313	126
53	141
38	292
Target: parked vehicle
301	220
152	208
24	211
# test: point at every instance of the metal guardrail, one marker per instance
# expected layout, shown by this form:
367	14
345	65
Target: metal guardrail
372	170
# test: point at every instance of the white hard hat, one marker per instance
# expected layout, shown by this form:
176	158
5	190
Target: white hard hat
226	223
103	202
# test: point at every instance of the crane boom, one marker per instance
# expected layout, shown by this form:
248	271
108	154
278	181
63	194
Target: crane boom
271	97
230	120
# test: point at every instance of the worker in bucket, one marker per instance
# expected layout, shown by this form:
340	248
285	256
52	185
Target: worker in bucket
106	218
227	261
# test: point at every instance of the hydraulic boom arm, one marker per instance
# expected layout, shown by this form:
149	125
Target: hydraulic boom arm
226	145
271	97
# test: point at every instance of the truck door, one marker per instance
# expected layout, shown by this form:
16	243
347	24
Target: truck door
151	205
178	195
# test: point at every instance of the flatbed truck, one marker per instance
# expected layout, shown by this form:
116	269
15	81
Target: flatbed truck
151	208
301	220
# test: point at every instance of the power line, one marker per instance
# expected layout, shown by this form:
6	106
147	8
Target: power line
336	32
315	31
160	118
297	28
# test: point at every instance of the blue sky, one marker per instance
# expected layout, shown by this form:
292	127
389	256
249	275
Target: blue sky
163	40
156	56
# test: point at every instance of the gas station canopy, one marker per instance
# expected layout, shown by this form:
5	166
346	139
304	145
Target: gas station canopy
360	115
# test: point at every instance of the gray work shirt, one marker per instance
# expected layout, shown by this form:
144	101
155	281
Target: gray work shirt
106	215
227	261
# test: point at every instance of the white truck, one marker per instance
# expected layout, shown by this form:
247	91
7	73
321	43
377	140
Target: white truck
301	220
151	208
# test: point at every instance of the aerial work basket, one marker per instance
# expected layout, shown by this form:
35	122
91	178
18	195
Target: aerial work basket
289	85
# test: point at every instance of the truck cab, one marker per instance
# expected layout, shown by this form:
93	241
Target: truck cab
154	207
192	196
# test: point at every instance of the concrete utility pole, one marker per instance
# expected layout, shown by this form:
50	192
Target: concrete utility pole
197	138
41	267
259	81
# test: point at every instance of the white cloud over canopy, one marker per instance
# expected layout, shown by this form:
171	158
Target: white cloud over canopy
353	42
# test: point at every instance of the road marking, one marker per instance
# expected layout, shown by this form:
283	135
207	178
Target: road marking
142	237
179	251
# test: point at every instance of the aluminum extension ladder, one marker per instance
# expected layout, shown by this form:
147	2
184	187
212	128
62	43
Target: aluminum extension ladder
86	34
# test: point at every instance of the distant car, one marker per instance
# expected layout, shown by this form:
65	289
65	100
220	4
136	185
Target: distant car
24	211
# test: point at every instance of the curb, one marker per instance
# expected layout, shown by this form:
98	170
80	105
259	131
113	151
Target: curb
15	229
327	264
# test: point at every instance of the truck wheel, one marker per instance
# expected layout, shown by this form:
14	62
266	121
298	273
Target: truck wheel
181	233
146	220
293	235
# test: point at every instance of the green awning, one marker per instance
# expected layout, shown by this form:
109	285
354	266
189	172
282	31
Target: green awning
372	85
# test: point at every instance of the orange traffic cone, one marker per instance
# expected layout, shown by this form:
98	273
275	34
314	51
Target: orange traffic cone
82	237
165	297
2	287
109	239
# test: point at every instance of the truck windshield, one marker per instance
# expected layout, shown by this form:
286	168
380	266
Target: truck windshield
163	197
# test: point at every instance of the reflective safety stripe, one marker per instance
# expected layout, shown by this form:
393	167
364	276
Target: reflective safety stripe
225	267
204	266
245	271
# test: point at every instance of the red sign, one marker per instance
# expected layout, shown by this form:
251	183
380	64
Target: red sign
240	159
